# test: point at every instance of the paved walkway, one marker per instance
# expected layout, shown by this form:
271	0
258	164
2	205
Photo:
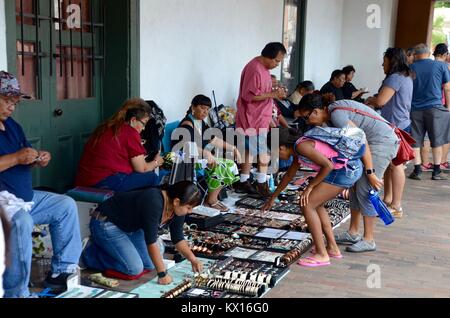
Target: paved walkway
413	255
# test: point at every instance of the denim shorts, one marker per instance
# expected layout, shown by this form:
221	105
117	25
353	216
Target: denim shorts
347	176
255	145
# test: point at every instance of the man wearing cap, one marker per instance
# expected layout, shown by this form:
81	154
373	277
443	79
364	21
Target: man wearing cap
25	207
428	115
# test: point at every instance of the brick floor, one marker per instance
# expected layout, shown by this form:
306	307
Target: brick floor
413	255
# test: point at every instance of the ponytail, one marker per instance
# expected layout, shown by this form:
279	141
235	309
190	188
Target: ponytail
186	191
135	107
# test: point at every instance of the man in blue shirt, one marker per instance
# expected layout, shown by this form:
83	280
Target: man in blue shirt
427	113
17	158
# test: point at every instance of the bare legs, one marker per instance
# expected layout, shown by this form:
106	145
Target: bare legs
319	222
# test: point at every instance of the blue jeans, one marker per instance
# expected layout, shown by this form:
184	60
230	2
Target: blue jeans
121	182
61	213
117	250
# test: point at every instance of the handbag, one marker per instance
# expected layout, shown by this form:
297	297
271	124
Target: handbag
405	151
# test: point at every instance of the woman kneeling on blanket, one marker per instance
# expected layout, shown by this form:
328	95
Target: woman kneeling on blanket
332	179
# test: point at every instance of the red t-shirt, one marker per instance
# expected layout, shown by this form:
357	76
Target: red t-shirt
110	156
255	81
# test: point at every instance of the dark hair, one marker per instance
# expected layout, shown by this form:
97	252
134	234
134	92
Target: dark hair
398	61
410	51
201	100
288	136
348	69
316	101
336	74
307	85
272	50
133	106
441	49
186	191
6	232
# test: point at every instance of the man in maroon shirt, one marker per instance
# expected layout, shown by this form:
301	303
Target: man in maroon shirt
254	114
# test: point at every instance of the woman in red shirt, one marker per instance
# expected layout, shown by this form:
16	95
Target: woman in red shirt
114	157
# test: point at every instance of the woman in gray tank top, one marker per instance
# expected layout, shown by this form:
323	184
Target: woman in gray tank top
382	146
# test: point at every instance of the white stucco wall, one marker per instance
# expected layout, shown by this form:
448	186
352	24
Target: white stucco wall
196	46
364	47
3	61
323	39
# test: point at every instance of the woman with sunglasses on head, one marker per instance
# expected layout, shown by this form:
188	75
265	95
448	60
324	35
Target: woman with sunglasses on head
333	177
381	148
114	157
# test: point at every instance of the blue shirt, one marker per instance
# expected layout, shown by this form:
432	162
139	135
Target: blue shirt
397	110
16	180
430	76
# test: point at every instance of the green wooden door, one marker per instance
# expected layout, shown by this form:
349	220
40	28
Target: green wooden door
60	64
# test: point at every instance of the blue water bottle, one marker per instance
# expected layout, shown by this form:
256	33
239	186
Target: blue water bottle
381	208
272	184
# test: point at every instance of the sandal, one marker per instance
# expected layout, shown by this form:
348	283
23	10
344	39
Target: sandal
218	206
396	213
312	262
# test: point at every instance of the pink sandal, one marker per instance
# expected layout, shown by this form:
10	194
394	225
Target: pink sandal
312	262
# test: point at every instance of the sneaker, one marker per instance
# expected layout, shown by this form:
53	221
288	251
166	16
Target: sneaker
428	167
58	283
445	166
347	238
263	190
415	176
440	176
244	188
362	247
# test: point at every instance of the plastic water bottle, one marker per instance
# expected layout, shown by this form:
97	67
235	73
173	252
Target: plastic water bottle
271	184
381	208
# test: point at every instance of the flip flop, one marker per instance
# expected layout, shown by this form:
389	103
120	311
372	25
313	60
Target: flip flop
312	262
218	206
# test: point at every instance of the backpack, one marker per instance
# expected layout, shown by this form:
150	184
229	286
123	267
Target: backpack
349	142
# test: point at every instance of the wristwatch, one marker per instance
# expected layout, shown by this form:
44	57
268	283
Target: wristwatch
162	274
370	171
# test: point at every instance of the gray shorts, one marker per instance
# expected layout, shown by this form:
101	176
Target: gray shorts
382	155
434	121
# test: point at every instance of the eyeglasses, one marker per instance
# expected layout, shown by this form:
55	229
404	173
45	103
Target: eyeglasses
11	100
306	118
142	122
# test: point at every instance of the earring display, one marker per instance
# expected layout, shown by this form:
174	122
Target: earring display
225	228
252	221
297	236
267	256
241	253
277	224
266	215
271	233
284	245
277	207
252	242
247	230
203	293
